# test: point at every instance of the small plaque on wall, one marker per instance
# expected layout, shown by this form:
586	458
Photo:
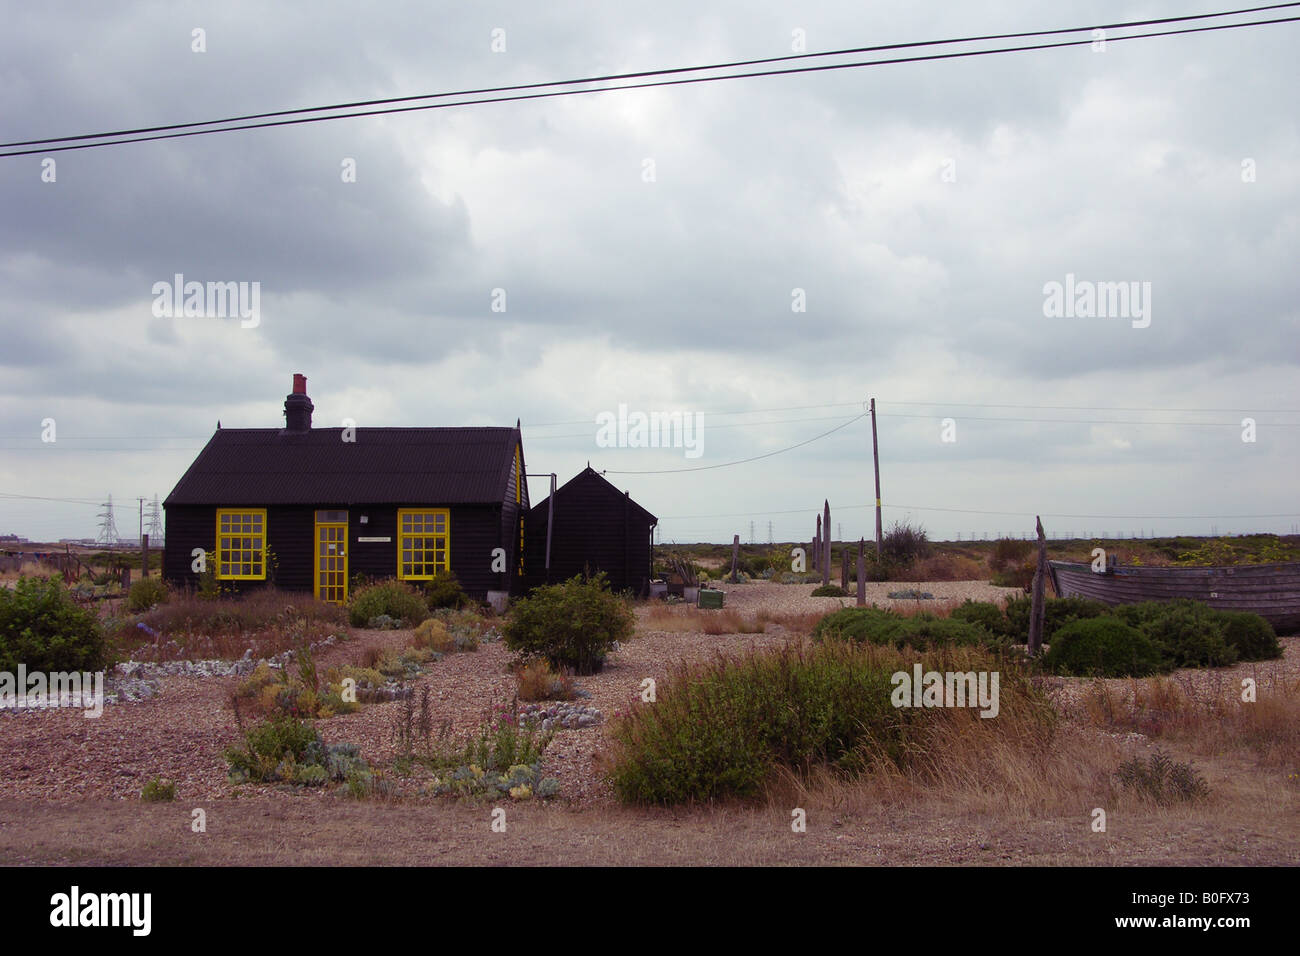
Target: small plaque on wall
383	540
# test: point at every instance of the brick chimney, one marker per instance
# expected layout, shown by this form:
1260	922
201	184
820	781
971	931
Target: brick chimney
298	407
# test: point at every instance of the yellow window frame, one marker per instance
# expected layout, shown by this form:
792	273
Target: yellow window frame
519	476
423	542
241	542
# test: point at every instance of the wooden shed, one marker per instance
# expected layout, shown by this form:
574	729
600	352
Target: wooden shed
310	508
596	527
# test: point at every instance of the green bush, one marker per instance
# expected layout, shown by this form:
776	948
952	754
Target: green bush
857	624
445	591
925	630
885	628
158	790
830	590
1190	633
42	627
1010	553
721	729
1016	575
146	593
283	749
571	625
985	614
1253	637
904	543
1161	779
1057	612
393	598
1103	647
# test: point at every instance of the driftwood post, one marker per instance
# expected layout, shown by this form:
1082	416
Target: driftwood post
817	545
826	544
144	555
862	574
735	555
844	569
1036	608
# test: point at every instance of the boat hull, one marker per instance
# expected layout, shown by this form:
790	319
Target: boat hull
1270	590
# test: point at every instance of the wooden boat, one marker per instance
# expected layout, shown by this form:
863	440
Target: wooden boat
1270	590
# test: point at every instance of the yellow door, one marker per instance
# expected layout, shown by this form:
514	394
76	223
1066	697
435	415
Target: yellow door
332	561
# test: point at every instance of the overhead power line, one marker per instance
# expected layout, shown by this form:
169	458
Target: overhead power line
974	511
883	402
743	461
516	92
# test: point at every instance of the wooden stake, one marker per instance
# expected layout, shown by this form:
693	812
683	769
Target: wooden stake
144	554
1036	609
844	569
826	545
862	574
735	555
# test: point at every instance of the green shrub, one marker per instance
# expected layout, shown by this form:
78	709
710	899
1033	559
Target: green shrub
445	591
1016	575
1253	637
571	625
854	623
42	627
904	543
1190	633
885	628
283	749
393	598
146	593
985	614
1009	553
830	590
926	630
1161	779
721	729
1057	612
158	790
1103	647
760	565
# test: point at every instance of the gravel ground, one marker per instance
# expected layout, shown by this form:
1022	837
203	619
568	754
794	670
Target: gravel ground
797	599
181	733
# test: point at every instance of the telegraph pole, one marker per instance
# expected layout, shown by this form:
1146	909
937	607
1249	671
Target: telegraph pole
875	455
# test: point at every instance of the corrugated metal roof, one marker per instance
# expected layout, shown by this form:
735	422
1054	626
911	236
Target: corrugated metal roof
271	466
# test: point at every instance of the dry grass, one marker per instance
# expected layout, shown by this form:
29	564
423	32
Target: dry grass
686	618
949	567
538	681
267	620
1203	717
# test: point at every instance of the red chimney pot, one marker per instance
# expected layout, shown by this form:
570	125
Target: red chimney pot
299	384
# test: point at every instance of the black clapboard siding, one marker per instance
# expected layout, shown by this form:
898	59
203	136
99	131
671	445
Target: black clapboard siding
187	527
290	534
597	527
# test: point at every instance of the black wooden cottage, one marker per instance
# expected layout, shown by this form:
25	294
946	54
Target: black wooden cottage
309	508
594	527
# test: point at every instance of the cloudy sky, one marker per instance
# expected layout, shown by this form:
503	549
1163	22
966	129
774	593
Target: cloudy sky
765	253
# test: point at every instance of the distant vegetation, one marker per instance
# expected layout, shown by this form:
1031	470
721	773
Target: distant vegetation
908	554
